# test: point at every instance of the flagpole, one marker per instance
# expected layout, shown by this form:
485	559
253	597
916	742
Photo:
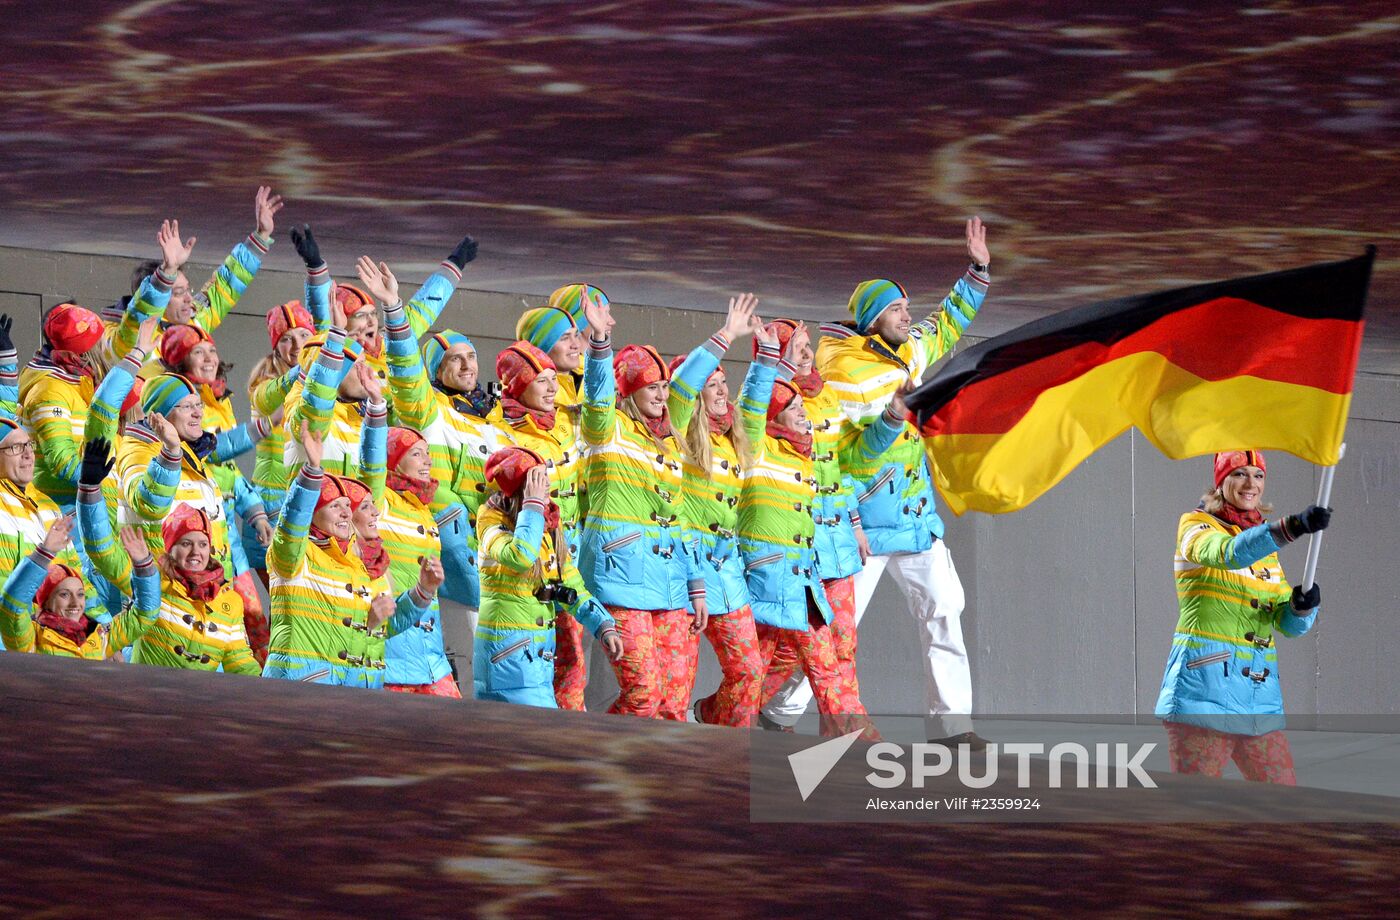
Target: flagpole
1324	495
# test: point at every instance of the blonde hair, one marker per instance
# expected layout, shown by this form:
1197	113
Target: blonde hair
509	505
266	369
1214	501
698	448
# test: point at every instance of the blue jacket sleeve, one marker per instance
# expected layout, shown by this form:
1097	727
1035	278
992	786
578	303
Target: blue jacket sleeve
427	304
17	597
316	297
408	610
9	383
593	615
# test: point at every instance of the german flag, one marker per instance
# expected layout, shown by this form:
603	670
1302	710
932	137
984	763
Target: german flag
1262	362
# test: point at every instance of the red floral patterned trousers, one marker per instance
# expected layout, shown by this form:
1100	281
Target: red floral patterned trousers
256	624
570	663
1204	751
443	686
815	652
657	667
735	641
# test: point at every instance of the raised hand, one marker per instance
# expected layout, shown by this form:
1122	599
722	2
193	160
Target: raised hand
464	253
378	280
134	542
374	389
147	334
977	242
380	609
1312	519
306	246
169	437
537	483
311	445
6	324
739	322
761	332
97	462
58	534
599	316
173	253
265	207
430	576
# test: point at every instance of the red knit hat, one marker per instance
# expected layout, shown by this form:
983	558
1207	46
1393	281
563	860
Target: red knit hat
355	490
184	519
134	397
352	299
638	366
401	441
783	394
177	342
52	579
333	487
1226	462
69	327
291	315
506	468
519	365
784	329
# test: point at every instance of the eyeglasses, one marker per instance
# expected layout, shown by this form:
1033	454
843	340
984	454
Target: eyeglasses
18	450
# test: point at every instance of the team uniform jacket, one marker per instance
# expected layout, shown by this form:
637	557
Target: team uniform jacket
711	506
634	552
320	602
341	423
187	633
1223	672
21	632
515	631
894	491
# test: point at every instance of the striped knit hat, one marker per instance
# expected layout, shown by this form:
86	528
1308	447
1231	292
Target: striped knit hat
569	298
1226	462
871	298
435	349
543	327
291	315
164	392
9	426
638	366
332	488
518	366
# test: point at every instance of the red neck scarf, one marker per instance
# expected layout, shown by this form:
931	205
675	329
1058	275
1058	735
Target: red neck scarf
422	489
76	631
73	364
801	440
660	427
320	536
551	516
809	384
721	424
374	555
514	411
216	386
1241	519
201	586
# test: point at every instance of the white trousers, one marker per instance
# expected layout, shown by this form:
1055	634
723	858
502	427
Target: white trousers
930	584
458	624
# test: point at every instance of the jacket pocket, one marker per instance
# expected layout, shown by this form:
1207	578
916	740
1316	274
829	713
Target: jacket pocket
761	561
764	576
1208	659
880	482
509	650
620	542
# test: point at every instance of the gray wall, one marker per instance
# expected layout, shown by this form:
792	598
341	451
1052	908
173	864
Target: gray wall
1070	602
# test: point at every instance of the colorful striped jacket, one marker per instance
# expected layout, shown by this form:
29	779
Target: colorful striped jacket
515	631
22	633
634	553
9	383
152	482
710	510
26	514
316	400
459	442
218	296
564	453
269	464
187	633
321	596
895	491
1222	672
240	498
835	511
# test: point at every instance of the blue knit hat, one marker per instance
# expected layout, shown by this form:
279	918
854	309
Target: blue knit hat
164	392
435	349
569	298
543	327
871	298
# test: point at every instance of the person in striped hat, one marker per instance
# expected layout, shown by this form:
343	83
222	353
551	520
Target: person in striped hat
1221	699
865	363
43	603
554	331
718	448
528	578
338	394
635	557
315	567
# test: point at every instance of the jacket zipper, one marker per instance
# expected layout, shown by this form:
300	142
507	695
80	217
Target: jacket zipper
763	560
509	650
621	541
1209	659
875	486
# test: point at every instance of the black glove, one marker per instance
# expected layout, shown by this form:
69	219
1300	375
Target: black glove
1311	520
6	323
306	246
464	253
1309	601
97	462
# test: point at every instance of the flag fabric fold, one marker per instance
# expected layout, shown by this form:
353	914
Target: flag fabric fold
1264	362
